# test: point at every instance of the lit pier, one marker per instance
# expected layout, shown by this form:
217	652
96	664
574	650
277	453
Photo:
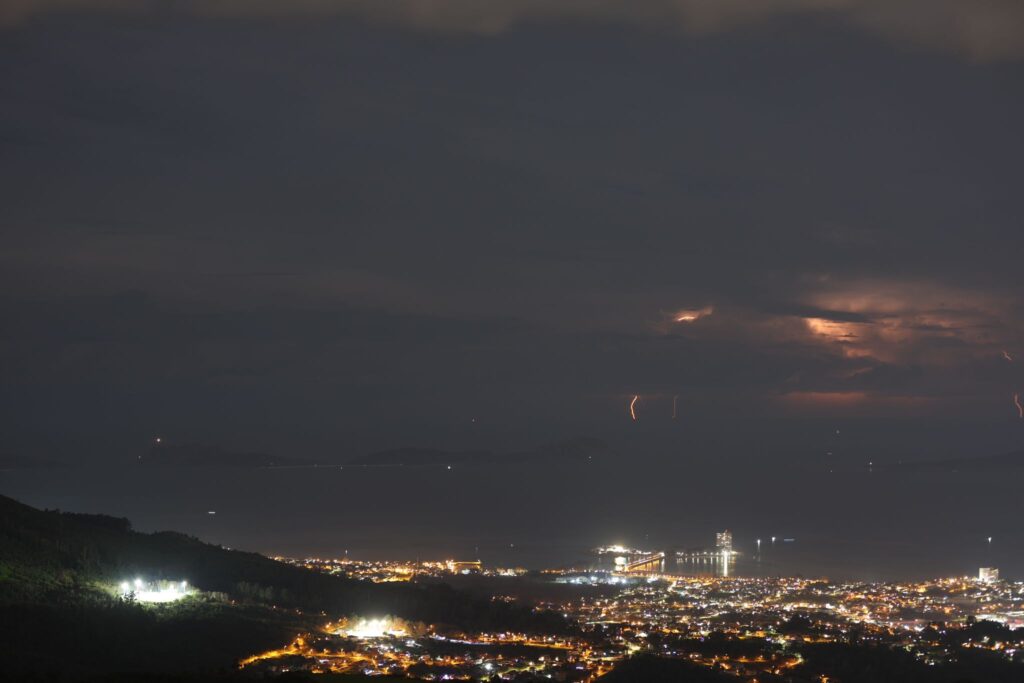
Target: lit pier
648	564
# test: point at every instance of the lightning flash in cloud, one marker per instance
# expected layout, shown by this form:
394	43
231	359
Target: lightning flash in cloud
632	407
1016	402
687	315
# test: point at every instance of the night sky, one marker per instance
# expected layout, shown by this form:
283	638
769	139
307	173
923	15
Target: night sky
322	227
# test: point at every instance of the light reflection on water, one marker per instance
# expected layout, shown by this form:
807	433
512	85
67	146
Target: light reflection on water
856	524
706	566
768	564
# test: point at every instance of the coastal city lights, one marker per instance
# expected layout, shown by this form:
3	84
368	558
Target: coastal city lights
749	627
399	572
534	341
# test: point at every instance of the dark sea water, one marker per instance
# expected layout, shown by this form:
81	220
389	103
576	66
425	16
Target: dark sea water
844	523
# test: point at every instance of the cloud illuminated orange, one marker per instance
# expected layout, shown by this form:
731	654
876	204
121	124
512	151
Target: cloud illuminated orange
689	315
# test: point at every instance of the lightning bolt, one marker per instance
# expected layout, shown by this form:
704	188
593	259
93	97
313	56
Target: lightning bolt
675	401
1007	356
632	407
1016	402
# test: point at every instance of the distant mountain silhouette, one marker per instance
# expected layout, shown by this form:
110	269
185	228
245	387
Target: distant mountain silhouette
581	448
21	462
202	455
986	463
421	456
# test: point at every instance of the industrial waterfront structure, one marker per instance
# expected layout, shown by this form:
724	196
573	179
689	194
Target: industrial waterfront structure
632	561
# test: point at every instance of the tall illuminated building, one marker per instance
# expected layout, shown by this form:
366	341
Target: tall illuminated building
988	574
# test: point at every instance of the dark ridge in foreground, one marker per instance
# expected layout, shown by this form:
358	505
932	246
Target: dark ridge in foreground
651	669
839	662
60	609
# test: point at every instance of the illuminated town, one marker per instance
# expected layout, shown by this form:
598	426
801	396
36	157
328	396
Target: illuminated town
582	341
755	629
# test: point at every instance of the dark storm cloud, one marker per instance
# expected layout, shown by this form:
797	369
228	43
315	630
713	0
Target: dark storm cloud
309	226
980	29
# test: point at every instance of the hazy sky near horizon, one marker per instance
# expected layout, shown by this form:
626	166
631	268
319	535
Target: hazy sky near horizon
236	223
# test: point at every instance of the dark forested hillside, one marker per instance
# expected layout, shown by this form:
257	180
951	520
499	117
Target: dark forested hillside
45	551
59	609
